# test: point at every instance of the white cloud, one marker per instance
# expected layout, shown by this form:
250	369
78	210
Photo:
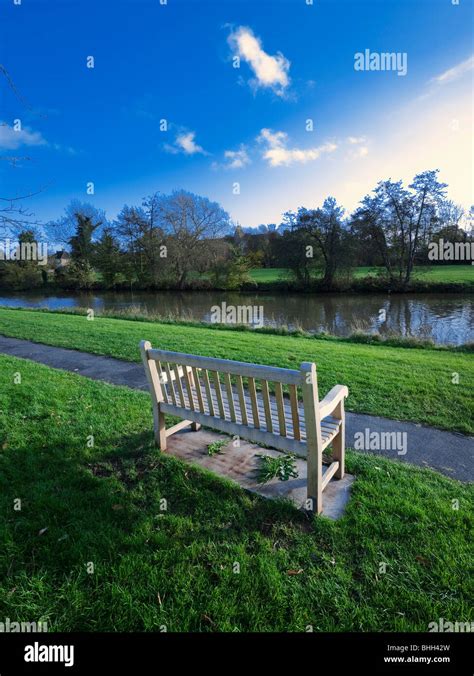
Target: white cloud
277	153
237	159
454	73
184	143
359	152
353	140
66	149
234	159
269	71
11	139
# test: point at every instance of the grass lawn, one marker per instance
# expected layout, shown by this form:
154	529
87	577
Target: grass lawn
456	274
268	274
174	567
396	382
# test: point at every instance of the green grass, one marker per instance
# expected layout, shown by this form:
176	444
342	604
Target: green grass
174	567
268	274
396	382
456	274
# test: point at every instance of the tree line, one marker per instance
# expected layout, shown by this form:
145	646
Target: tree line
182	240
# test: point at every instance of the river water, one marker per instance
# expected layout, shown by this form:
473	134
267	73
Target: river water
445	318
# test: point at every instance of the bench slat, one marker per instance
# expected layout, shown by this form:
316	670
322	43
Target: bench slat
189	388
281	409
197	384
256	435
266	406
207	385
170	383
218	391
230	396
271	373
253	399
162	378
294	412
329	426
179	385
243	405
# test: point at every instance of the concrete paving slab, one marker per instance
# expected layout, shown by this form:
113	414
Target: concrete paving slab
240	464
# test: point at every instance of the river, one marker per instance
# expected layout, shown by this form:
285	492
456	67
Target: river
445	318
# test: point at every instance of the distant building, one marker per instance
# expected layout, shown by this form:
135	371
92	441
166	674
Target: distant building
61	259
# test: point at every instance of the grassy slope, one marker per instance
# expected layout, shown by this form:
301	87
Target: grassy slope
441	273
408	384
175	568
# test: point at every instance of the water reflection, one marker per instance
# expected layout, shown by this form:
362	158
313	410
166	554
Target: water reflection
445	318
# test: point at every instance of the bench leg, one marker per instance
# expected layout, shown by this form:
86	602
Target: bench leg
338	444
160	429
313	437
195	426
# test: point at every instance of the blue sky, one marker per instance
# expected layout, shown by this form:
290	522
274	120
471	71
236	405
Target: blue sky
228	125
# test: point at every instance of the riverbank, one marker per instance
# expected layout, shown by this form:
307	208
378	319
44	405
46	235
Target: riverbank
138	314
368	280
441	319
432	279
422	385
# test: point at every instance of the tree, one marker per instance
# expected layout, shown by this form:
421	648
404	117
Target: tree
108	258
325	228
291	252
130	228
81	243
64	228
400	220
76	276
14	215
191	225
238	271
22	273
80	273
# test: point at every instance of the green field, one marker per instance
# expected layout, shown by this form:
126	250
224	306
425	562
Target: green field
454	274
173	568
396	382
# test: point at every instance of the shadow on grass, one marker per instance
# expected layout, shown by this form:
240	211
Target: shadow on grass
63	510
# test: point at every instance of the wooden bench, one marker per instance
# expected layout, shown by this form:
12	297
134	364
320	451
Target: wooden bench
223	395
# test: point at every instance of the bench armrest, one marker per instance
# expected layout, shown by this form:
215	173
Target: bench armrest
332	399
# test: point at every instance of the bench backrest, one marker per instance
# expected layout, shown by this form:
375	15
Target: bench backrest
234	397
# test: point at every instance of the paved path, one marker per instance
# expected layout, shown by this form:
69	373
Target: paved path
450	453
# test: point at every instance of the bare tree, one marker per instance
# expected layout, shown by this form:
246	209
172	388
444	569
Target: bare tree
325	227
400	220
190	223
14	215
64	228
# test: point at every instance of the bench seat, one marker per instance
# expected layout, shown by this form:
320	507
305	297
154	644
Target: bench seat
329	425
